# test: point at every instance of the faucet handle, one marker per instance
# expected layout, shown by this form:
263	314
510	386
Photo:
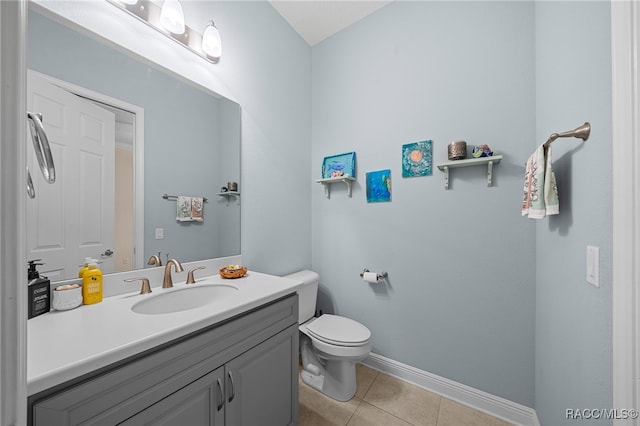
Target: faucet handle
146	287
190	278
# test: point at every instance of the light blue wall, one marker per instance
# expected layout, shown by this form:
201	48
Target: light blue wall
266	68
461	262
574	319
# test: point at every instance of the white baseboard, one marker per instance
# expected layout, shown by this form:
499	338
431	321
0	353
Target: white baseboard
493	405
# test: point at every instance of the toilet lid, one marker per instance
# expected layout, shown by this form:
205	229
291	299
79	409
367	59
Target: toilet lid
339	331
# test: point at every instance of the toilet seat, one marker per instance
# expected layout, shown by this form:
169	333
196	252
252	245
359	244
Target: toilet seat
339	331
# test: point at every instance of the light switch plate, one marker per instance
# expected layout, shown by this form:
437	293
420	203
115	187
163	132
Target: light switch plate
159	233
593	265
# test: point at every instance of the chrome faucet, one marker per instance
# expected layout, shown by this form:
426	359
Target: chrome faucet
167	282
155	260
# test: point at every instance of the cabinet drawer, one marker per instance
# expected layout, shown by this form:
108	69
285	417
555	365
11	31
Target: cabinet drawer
117	392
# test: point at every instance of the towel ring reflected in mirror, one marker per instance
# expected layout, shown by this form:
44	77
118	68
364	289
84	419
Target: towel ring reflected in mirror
41	147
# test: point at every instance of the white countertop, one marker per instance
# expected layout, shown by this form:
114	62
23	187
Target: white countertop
67	344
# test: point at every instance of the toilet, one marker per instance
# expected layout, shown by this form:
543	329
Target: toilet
330	345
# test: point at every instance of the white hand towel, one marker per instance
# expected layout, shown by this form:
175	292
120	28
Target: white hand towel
540	190
551	201
183	213
197	207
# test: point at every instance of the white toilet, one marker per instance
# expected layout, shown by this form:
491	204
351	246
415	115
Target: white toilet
330	345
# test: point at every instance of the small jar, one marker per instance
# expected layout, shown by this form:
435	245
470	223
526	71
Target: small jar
232	186
457	150
67	297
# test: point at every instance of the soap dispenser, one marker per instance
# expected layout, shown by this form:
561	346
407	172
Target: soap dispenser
85	266
92	285
39	296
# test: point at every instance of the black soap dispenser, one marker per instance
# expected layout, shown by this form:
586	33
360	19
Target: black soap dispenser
39	291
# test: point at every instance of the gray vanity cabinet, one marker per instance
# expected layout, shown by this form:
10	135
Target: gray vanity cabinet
199	403
243	372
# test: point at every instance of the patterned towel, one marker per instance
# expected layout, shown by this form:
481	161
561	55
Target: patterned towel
540	190
197	207
183	213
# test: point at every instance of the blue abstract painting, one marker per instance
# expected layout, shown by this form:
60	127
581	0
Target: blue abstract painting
379	186
417	159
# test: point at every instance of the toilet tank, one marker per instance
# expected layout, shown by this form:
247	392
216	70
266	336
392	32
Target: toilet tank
307	294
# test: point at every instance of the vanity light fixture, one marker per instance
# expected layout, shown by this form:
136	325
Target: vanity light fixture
169	20
211	42
172	17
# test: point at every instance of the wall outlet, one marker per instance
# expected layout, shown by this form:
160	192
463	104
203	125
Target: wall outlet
593	265
159	233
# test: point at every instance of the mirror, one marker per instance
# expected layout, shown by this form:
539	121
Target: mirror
190	147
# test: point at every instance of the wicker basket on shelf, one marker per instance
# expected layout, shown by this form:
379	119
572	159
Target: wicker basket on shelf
233	271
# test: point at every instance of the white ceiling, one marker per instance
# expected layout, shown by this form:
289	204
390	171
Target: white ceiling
316	20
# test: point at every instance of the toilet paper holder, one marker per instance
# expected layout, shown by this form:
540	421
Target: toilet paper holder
380	276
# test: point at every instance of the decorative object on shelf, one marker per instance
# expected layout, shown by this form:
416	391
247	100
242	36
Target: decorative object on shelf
379	186
488	161
224	189
417	159
168	19
481	151
232	186
341	165
233	271
457	150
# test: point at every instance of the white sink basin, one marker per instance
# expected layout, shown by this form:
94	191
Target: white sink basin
184	299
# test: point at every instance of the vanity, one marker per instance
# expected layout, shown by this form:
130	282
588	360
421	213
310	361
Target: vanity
231	360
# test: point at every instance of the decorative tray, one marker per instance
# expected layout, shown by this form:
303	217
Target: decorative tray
339	165
233	271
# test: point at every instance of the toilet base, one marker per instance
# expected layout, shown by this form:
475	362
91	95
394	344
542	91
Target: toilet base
335	378
337	382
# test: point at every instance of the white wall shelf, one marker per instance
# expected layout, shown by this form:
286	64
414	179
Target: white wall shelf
488	161
328	181
229	194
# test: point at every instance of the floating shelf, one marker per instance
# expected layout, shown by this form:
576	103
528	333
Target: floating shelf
229	194
328	181
470	162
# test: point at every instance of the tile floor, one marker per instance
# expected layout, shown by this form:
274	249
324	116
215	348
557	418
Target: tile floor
382	400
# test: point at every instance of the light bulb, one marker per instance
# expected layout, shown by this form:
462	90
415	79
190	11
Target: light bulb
172	17
211	42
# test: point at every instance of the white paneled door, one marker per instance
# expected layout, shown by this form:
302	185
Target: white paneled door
72	218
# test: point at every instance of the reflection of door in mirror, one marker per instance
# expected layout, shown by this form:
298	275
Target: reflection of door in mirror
74	217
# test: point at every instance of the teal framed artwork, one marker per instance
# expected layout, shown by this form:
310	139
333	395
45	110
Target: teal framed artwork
379	186
417	159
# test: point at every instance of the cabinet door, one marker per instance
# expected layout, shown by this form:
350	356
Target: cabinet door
262	384
199	403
